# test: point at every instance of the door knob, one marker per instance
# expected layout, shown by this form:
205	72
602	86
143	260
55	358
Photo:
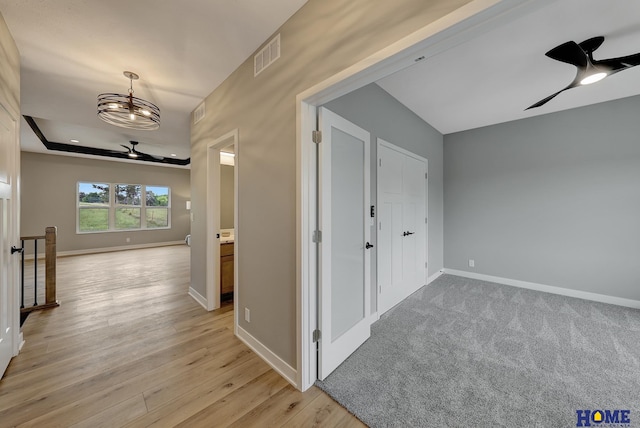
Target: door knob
16	250
409	233
367	246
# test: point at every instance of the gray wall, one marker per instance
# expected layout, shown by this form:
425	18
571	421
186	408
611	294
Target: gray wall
226	197
553	199
385	117
264	111
49	184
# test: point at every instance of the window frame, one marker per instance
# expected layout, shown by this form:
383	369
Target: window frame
113	206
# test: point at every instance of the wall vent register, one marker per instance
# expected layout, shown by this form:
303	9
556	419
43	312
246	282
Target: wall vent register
267	55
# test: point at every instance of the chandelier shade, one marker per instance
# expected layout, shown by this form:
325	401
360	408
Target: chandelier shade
127	111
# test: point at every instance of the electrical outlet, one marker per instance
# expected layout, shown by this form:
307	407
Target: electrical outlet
128	239
472	263
247	315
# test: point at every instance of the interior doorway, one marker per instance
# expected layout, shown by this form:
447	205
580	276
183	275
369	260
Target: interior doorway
465	23
222	221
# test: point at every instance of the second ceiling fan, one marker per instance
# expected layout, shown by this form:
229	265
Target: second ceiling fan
589	70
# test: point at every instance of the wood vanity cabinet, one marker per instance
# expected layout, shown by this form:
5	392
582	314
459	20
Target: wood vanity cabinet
226	269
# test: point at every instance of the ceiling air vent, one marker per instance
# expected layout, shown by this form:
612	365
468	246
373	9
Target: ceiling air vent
198	114
266	56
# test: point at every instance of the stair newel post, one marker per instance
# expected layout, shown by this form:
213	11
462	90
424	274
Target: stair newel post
50	264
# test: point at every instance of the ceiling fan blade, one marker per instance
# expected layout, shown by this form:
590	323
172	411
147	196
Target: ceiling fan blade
621	63
544	100
590	45
569	52
552	96
151	156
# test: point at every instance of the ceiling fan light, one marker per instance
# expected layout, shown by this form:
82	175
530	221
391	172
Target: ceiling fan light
133	155
593	78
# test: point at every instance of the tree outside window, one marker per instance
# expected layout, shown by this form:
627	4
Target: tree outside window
157	206
128	209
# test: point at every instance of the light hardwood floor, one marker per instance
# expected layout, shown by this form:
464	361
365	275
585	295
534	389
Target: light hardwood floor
129	348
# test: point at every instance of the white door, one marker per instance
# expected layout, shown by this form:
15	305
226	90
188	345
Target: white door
8	236
390	229
402	231
345	277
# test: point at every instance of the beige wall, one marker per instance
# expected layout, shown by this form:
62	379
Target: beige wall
49	185
9	68
321	39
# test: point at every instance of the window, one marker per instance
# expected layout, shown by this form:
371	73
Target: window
93	207
104	207
128	207
157	207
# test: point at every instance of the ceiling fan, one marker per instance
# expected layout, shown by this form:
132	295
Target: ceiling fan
589	70
135	154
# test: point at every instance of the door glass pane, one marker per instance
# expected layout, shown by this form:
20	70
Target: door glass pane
347	232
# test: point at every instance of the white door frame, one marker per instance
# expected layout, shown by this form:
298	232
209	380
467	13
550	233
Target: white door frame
463	24
213	220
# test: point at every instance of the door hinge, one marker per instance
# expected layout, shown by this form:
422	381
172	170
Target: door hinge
316	136
426	220
317	236
426	176
316	335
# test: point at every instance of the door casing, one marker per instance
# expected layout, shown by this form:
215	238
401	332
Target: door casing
213	221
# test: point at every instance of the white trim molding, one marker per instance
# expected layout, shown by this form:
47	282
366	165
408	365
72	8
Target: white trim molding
198	297
435	276
212	282
586	295
278	364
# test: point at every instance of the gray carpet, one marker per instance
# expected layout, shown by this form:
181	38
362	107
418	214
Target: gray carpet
468	353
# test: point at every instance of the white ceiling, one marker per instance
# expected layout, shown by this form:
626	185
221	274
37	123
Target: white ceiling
73	50
495	77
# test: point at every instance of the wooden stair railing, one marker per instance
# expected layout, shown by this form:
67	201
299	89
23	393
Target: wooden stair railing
50	255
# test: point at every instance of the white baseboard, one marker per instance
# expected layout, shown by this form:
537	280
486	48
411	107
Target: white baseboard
198	298
107	249
435	276
586	295
276	363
